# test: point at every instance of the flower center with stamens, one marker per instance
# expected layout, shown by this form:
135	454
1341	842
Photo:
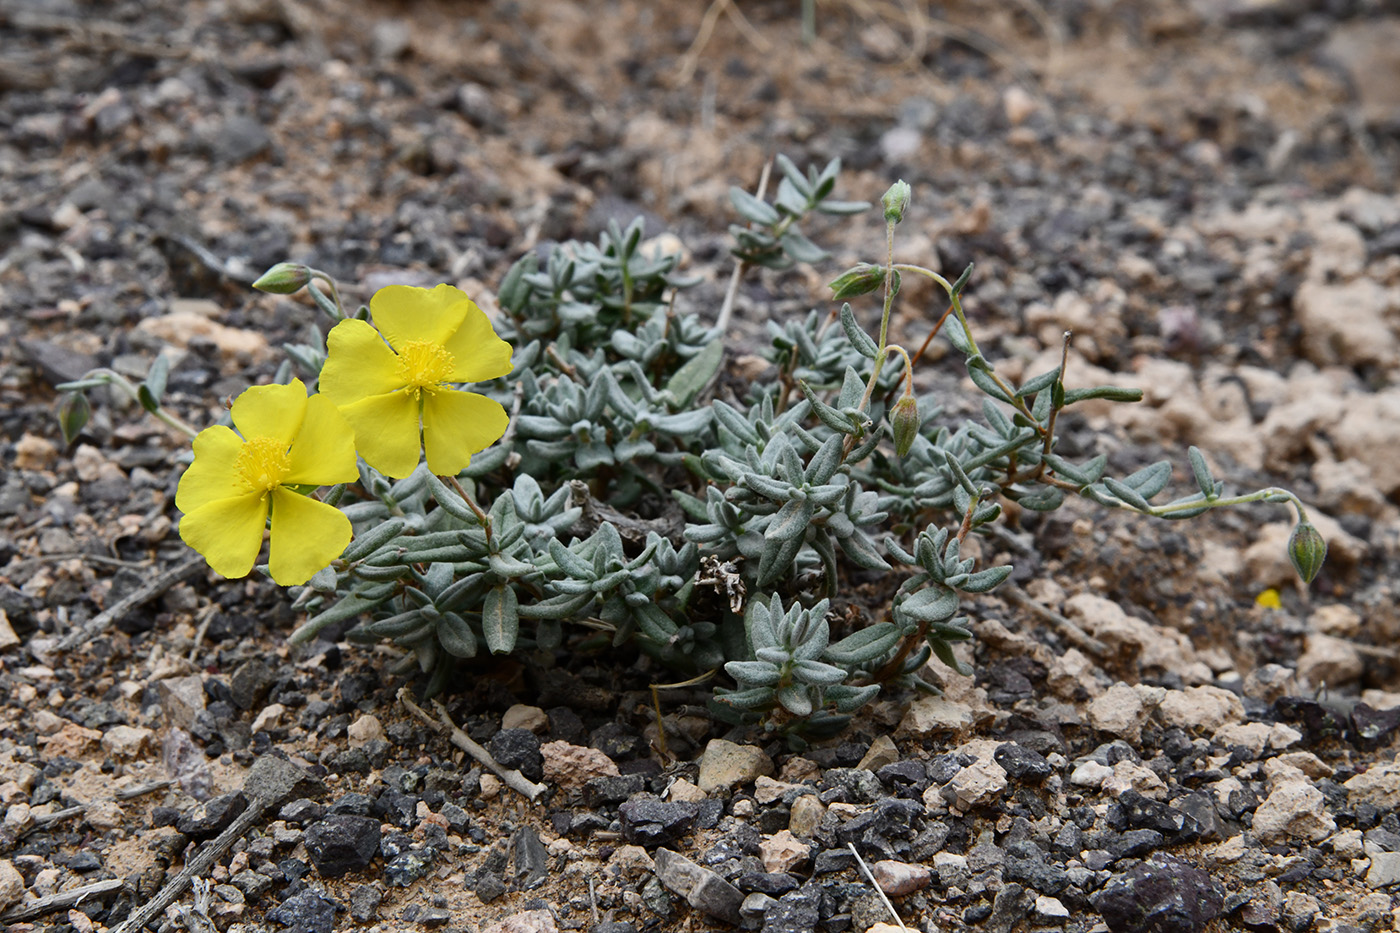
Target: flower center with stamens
263	462
423	365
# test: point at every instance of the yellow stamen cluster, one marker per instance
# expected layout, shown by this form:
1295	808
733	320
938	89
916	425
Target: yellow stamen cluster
263	462
423	365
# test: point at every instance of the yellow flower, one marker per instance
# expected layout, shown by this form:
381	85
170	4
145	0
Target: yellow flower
236	481
435	338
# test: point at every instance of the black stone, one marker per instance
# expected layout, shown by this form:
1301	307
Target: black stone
795	912
408	866
854	785
1371	728
774	884
489	886
302	811
617	741
1134	843
943	768
364	902
352	804
649	821
396	807
1316	721
434	916
1038	873
250	682
213	816
830	860
602	791
1163	895
1145	813
1011	905
305	912
907	772
349	761
341	843
518	750
1022	764
530	857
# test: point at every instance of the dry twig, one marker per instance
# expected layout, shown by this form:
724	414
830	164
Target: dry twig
1073	633
60	901
103	620
444	725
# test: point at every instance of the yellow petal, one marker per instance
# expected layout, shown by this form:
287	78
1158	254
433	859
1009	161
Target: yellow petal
324	451
477	353
228	532
386	432
271	411
404	313
306	536
358	364
457	425
211	477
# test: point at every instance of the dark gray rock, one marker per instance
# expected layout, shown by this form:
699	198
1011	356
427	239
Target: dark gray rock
617	741
434	916
253	884
408	866
305	912
352	804
907	772
530	857
649	821
1145	813
1010	906
1038	873
341	843
303	810
489	886
518	750
773	884
704	890
349	761
274	781
457	818
855	785
1163	895
796	912
213	816
250	682
602	791
1022	764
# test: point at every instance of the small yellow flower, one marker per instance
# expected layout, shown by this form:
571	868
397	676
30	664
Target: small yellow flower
389	392
1269	599
235	481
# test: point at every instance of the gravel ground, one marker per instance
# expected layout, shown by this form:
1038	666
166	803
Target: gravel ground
1203	192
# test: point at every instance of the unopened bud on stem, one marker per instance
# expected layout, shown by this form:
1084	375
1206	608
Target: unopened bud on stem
285	278
896	201
1307	550
904	419
858	280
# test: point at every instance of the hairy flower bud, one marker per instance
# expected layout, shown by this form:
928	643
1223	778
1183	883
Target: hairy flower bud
285	278
860	279
896	201
73	415
904	418
1307	550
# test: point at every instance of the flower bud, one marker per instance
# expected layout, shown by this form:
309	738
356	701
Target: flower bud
860	279
896	201
904	419
285	278
1307	550
73	414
